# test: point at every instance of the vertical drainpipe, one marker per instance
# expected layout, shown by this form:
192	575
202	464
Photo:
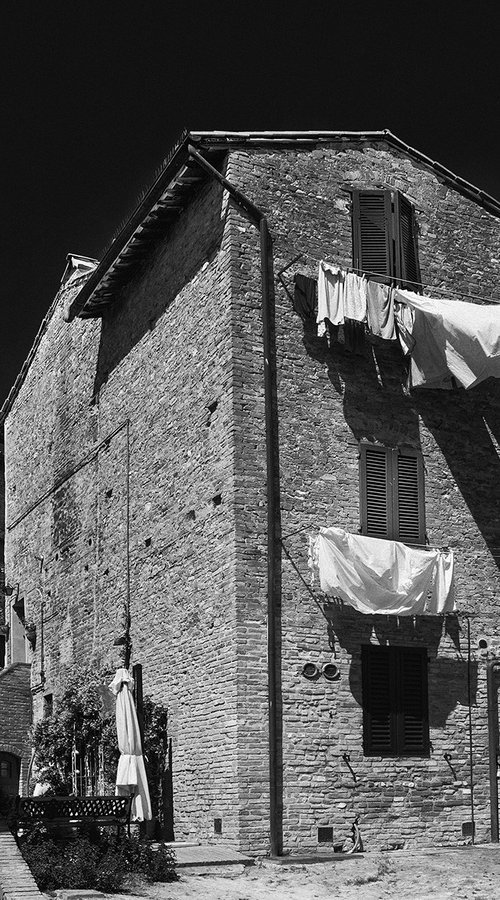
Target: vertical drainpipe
492	673
272	492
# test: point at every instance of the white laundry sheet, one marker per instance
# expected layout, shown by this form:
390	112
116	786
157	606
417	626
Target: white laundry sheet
341	295
381	576
452	338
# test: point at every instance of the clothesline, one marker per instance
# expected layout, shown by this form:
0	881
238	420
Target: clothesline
328	257
308	528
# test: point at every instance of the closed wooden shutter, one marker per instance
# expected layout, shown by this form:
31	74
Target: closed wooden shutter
379	732
395	701
376	505
392	494
406	256
384	237
372	232
413	725
409	497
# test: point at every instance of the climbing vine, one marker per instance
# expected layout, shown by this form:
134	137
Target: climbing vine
80	718
83	718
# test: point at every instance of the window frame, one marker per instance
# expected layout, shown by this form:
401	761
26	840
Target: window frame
392	491
400	720
397	216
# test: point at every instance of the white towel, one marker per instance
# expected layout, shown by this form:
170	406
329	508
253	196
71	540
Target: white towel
330	296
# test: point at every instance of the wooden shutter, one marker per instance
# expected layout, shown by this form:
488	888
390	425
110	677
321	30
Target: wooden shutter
379	707
372	233
413	724
376	493
405	232
409	525
392	494
395	701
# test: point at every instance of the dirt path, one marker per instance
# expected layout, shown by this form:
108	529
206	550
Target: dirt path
468	873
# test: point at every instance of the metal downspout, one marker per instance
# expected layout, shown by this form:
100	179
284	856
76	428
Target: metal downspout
272	484
493	669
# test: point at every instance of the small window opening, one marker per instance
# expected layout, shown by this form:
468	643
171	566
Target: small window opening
148	542
211	409
217	500
325	834
217	826
191	515
5	769
109	493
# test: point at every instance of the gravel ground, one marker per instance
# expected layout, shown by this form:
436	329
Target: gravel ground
466	873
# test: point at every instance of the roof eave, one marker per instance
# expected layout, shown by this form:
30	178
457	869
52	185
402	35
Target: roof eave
121	252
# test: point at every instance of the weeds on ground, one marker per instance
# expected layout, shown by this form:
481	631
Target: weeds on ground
92	860
382	870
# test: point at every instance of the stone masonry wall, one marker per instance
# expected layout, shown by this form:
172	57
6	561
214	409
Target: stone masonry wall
137	410
329	399
15	715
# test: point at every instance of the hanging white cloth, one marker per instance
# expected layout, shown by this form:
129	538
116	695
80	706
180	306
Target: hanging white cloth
380	310
452	338
381	576
330	296
355	297
131	775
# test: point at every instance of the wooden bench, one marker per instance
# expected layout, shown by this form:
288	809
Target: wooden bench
72	811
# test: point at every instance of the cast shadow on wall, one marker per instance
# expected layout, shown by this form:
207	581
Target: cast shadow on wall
139	307
370	379
464	424
448	675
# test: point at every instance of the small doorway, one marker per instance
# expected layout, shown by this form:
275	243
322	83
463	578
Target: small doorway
9	776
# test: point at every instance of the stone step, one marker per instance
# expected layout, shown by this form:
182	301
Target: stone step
16	880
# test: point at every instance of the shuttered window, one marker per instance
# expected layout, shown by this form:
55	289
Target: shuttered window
384	237
395	701
392	493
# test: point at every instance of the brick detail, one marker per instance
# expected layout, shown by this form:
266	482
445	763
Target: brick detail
15	715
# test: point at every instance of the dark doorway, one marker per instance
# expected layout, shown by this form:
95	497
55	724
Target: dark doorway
9	774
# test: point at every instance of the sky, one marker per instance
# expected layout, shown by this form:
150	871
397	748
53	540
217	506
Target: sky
95	92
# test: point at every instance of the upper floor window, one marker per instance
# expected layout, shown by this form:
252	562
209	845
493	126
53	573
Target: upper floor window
392	493
384	234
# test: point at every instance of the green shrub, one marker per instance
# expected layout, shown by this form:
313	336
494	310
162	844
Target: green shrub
92	860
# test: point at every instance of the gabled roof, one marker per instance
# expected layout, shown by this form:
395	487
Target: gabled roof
169	194
180	175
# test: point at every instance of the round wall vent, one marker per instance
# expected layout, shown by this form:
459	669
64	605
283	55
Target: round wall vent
331	672
310	670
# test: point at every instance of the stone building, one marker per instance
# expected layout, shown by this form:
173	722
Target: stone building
162	482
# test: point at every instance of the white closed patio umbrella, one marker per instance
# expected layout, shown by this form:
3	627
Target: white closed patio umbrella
131	775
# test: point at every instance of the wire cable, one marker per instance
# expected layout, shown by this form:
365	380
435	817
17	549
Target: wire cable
450	292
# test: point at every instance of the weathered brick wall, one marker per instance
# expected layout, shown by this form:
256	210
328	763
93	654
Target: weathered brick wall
2	551
327	400
155	376
15	715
